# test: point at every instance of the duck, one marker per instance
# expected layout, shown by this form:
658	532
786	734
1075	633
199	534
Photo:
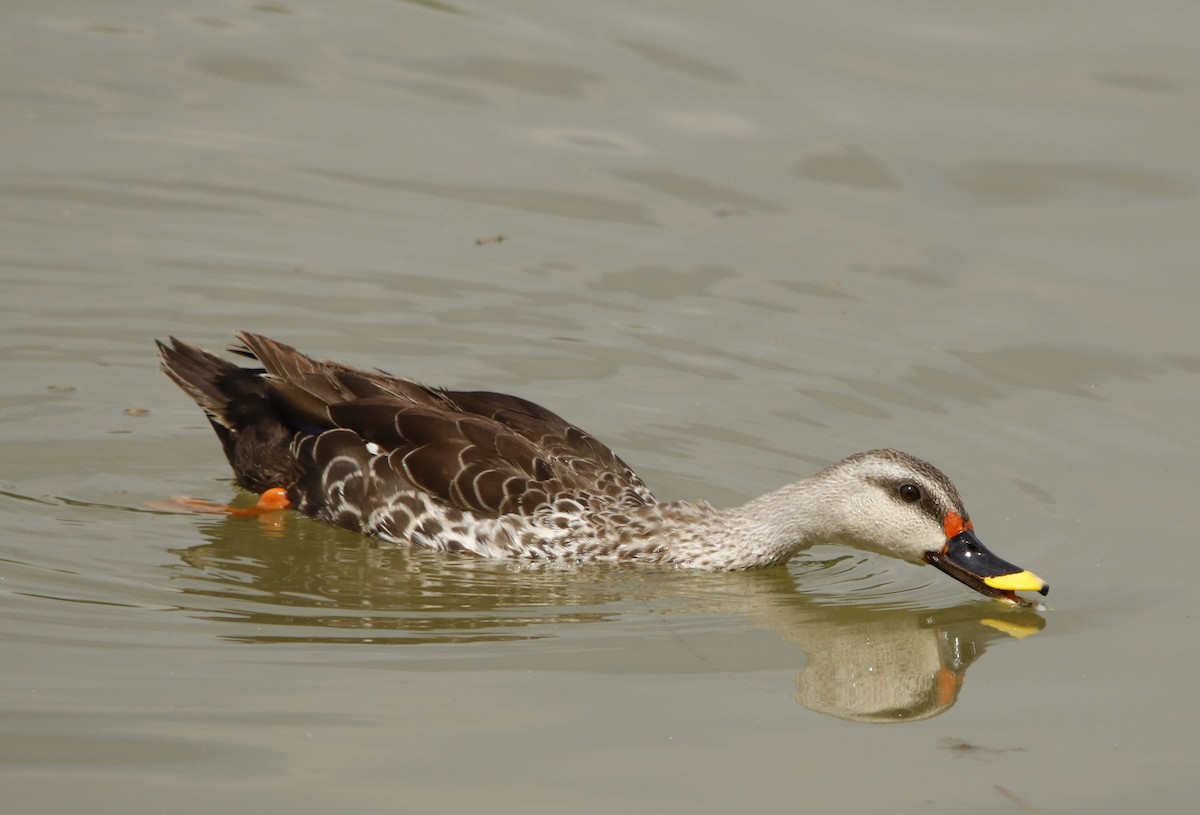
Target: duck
498	476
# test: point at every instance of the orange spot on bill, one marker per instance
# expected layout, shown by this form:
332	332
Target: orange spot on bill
954	525
949	682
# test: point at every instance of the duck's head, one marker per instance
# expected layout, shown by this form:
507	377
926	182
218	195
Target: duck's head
905	507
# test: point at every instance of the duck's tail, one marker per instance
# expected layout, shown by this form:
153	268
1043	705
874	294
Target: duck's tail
242	410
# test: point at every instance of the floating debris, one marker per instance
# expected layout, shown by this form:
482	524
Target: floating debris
963	746
1018	800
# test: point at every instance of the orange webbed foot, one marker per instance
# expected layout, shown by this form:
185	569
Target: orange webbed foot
187	504
272	500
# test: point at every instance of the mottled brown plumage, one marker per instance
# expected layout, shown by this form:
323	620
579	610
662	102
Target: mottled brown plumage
479	454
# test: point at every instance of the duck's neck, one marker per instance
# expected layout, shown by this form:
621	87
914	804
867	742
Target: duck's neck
766	531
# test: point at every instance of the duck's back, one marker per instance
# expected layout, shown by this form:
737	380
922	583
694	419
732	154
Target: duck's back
400	460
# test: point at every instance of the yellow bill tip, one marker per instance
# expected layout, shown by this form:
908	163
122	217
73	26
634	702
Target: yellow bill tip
1018	581
1015	630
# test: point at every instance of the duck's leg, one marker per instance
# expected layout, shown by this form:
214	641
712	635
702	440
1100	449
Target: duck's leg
272	500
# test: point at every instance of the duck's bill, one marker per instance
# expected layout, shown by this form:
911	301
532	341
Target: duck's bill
967	560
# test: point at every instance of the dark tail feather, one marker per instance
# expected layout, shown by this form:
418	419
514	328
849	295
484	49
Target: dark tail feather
241	409
198	373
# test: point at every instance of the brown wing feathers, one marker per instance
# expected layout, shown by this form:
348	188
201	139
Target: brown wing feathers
481	452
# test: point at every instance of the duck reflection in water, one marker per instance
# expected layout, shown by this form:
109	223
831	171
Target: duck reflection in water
868	659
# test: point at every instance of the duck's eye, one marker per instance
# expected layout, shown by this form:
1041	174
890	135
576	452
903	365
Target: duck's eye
910	493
